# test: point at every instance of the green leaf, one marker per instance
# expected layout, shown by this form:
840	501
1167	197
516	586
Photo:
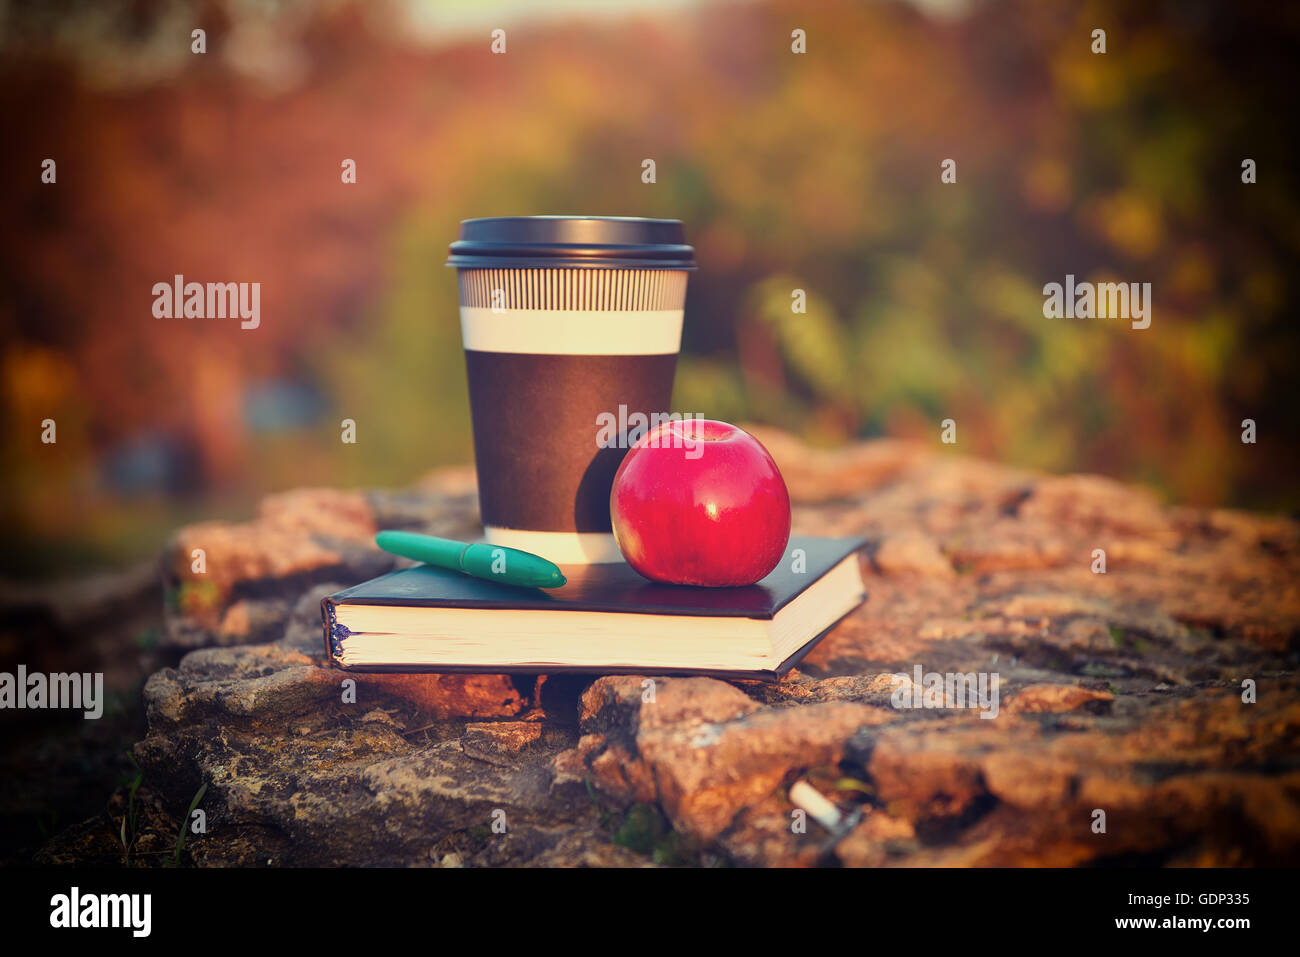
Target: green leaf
180	836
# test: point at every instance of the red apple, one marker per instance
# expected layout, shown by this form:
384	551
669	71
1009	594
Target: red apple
699	502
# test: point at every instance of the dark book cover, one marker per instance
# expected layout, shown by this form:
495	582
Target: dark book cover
613	587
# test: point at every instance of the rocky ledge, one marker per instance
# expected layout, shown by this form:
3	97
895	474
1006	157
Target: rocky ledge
1147	713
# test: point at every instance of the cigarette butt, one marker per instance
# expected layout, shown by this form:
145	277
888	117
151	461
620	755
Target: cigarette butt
804	795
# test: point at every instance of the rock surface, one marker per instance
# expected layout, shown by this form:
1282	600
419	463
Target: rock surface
1150	713
236	583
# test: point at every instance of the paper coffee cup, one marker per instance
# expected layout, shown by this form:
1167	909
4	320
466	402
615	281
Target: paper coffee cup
566	322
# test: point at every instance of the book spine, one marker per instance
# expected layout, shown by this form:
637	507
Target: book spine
334	633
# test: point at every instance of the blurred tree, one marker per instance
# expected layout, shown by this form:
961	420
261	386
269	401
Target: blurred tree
817	171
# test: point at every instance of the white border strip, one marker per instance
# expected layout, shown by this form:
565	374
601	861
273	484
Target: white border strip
563	548
572	332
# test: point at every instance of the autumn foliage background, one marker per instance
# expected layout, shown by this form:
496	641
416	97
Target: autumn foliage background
818	171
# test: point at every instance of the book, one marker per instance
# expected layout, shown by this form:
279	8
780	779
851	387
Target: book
606	620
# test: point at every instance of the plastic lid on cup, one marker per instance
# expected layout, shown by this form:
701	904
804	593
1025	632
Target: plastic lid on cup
532	241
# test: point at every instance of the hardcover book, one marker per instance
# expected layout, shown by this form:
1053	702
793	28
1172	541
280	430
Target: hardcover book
606	620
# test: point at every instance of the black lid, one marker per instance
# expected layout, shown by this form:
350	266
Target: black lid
572	241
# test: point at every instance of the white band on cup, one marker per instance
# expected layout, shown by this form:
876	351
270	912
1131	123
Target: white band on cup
572	332
563	548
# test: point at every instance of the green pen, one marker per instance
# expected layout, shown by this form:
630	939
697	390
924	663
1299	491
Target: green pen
510	566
